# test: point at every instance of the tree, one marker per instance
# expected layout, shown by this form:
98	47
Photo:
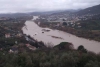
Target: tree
65	45
93	64
64	23
81	48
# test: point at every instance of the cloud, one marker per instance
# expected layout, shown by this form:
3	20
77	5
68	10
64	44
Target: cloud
43	5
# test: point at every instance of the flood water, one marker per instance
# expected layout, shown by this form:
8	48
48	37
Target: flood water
36	32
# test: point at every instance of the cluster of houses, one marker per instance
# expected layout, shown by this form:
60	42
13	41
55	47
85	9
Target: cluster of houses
4	18
71	20
8	35
70	17
15	49
63	22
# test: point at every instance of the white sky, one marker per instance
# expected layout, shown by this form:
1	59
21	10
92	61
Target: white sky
12	6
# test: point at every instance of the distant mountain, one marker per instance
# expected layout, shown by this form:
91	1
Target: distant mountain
45	13
29	13
64	12
13	15
36	13
90	10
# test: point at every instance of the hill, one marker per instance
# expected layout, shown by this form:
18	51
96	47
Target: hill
11	15
65	12
90	10
31	13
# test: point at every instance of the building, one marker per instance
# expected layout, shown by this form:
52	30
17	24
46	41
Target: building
13	50
19	34
3	18
30	47
7	35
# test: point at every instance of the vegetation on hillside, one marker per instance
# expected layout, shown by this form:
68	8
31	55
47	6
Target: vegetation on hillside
58	56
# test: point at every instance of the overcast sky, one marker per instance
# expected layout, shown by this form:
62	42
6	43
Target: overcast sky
12	6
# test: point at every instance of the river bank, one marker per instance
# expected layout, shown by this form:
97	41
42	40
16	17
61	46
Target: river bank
80	33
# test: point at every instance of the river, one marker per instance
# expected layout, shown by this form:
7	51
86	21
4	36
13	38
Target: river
36	32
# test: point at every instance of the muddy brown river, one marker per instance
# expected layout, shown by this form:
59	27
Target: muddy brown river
55	37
